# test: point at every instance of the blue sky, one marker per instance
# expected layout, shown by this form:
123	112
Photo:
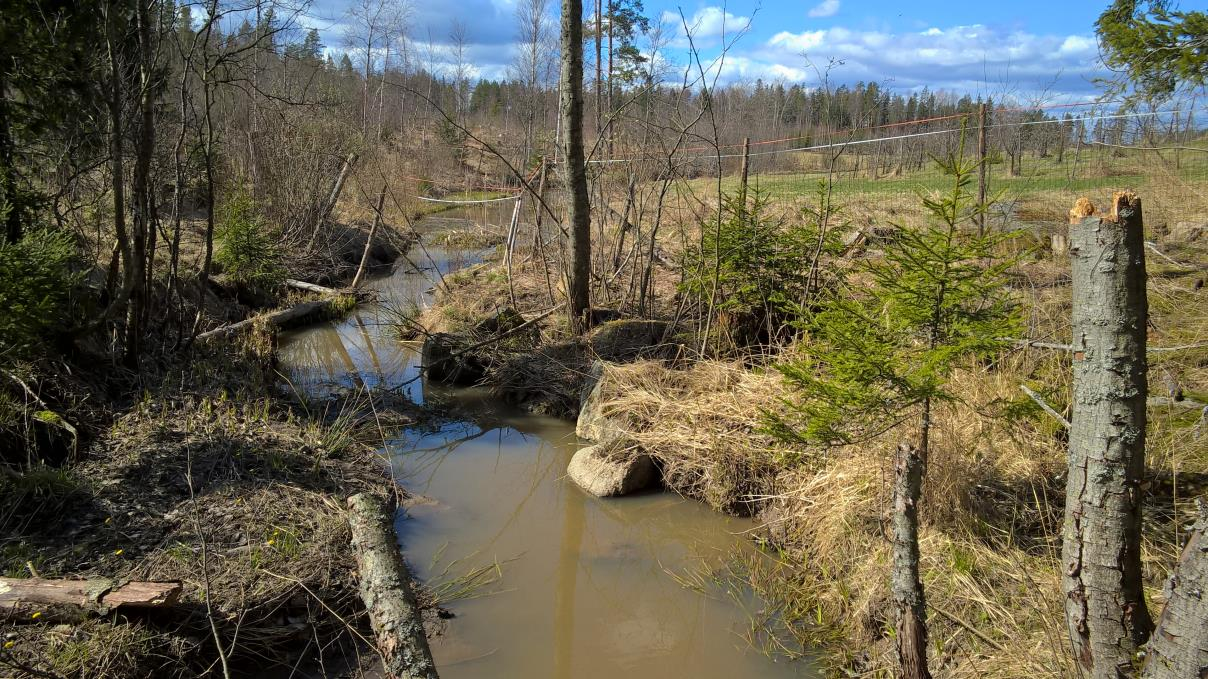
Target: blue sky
1030	49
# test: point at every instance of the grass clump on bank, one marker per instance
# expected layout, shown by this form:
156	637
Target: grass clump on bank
234	499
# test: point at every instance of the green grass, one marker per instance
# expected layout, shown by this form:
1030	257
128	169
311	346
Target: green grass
1096	170
427	208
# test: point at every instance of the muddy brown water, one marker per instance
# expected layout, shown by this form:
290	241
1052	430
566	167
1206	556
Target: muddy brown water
580	587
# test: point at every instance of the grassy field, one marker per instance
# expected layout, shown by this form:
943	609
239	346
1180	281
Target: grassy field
1043	190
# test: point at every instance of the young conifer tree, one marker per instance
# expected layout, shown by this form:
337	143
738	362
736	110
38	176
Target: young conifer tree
878	352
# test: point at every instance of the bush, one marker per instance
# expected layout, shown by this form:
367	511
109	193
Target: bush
37	277
247	250
764	266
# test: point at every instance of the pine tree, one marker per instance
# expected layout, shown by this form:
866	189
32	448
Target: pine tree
312	47
880	354
875	352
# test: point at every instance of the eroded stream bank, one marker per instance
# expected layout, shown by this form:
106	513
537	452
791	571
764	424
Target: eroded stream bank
586	587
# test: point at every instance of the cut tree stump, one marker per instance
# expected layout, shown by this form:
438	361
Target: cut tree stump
1179	647
385	587
1101	554
22	596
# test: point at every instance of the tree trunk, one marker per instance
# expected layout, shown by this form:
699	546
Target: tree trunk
538	234
1179	648
574	169
377	220
141	191
906	587
13	229
1101	554
296	315
386	590
599	63
333	198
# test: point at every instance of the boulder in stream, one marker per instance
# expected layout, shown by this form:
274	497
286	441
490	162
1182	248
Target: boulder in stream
441	360
627	340
611	469
594	424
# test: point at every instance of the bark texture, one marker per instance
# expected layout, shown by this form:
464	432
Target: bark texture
19	597
574	170
386	590
1101	554
906	586
1179	648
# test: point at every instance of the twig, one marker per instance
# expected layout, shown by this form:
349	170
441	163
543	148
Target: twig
1164	256
322	603
1070	347
977	633
1044	406
1167	401
506	333
1150	148
205	567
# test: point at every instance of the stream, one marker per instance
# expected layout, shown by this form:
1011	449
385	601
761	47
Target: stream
579	587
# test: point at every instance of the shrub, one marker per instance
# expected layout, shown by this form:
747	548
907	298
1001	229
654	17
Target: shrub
37	277
247	250
765	267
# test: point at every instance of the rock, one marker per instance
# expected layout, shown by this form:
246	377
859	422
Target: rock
599	315
593	424
612	469
507	319
1188	231
441	365
628	340
590	382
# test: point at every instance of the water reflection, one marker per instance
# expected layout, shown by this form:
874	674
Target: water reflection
585	589
361	350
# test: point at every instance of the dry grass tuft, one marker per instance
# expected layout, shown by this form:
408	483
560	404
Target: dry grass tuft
703	425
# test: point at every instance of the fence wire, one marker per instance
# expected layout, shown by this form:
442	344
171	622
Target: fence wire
1036	165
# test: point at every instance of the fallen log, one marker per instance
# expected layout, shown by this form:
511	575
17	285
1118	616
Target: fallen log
21	597
311	287
385	587
276	318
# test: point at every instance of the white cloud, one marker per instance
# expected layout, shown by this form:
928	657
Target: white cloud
977	58
826	8
707	25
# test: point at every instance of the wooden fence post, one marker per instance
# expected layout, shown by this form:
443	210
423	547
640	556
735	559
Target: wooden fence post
746	167
981	168
1101	553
